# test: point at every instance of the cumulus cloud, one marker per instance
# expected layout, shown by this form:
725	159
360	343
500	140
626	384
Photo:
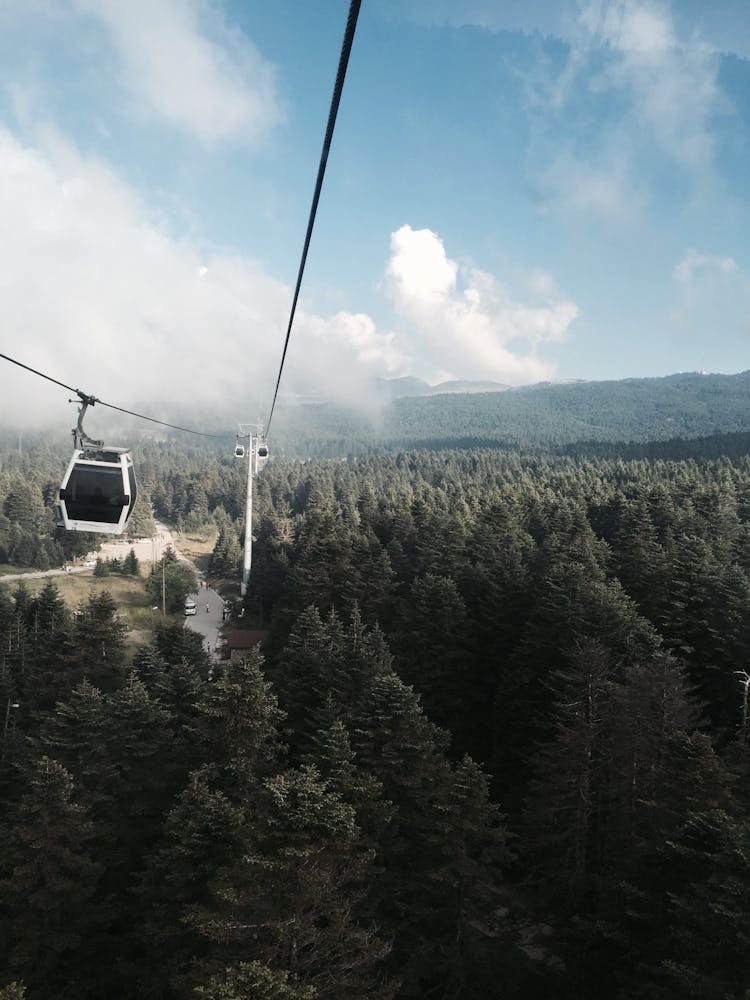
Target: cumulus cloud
215	88
100	297
694	264
461	323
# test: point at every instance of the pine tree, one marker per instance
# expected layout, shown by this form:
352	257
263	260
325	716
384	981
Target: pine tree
310	666
243	723
567	810
431	651
227	553
252	979
176	644
707	954
337	763
202	836
76	734
50	648
132	566
46	893
291	901
138	747
477	947
99	641
13	991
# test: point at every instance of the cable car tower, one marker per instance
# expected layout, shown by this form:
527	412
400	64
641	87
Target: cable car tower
257	456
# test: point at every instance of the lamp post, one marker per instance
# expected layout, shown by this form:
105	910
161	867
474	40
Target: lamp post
10	705
744	684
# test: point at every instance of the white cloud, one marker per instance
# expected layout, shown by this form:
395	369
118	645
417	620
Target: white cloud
660	83
340	358
712	295
605	189
672	83
96	295
694	264
723	26
462	322
214	88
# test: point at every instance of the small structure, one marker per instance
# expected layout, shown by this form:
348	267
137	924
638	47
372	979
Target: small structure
242	640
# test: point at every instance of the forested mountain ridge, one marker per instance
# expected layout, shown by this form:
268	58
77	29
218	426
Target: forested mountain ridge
542	416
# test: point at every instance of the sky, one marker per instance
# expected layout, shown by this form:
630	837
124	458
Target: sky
517	191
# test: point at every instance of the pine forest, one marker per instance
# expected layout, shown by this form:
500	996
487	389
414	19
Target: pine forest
493	745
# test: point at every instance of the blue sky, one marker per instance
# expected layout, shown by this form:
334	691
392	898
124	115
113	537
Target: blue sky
516	192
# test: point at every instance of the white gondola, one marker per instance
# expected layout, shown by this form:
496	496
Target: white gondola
239	450
98	491
261	455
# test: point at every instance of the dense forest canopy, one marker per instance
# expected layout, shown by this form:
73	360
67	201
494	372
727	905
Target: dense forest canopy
495	744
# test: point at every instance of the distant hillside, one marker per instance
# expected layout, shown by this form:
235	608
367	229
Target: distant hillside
397	388
551	415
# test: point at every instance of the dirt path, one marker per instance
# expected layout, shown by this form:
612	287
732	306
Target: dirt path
146	550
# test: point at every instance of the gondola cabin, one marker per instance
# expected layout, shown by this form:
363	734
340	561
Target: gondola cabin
98	492
239	451
261	456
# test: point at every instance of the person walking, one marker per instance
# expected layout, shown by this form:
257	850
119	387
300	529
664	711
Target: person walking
206	607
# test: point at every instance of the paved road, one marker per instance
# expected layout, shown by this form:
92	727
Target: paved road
207	622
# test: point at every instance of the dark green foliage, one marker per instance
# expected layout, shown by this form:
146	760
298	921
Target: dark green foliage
99	641
290	901
311	824
175	644
48	882
202	835
252	979
243	723
432	654
13	991
227	554
169	583
129	566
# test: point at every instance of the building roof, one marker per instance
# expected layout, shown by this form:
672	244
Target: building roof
246	638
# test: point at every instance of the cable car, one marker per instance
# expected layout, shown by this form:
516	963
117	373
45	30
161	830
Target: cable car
261	455
98	490
239	450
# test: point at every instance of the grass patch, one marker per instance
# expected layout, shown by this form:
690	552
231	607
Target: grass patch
196	546
127	593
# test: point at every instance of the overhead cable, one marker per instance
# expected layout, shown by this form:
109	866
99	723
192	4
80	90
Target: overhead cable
346	48
91	400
